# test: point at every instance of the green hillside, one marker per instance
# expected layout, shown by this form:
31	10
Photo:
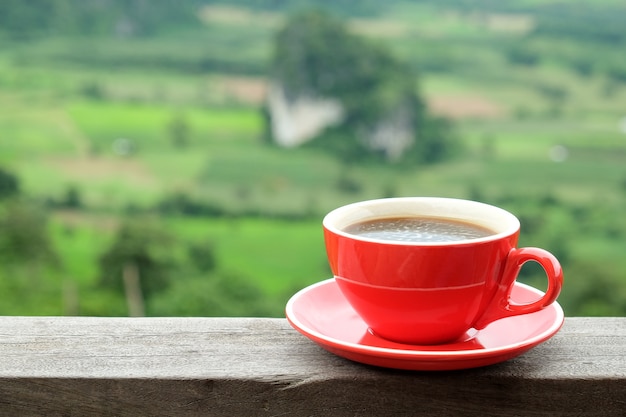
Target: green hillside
162	126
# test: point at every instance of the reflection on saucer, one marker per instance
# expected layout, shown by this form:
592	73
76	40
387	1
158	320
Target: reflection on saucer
466	342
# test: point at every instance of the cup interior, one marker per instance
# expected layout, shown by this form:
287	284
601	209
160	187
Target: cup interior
500	221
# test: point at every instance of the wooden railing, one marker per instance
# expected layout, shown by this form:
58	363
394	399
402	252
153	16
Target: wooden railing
70	366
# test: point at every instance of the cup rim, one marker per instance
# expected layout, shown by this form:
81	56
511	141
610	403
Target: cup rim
458	209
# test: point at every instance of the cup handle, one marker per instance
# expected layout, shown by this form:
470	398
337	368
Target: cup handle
503	306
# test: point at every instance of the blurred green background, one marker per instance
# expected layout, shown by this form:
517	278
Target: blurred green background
138	174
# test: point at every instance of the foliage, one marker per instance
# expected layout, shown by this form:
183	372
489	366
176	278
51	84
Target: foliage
9	184
316	56
176	277
222	295
582	21
340	7
179	131
182	204
437	142
24	237
148	247
72	198
25	19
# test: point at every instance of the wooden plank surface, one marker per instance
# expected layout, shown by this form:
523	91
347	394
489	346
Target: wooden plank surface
66	366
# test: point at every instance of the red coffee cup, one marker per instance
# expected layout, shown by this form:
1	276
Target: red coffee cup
423	292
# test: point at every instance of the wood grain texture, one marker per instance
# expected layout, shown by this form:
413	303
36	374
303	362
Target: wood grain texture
73	366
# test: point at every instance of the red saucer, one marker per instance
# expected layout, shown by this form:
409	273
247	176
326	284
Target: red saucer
321	313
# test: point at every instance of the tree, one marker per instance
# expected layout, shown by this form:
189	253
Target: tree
316	56
179	131
145	262
72	198
142	245
216	294
202	255
9	184
24	238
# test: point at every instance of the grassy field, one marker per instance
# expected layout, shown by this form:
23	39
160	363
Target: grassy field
96	116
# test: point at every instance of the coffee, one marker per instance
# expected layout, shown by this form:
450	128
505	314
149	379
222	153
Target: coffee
418	229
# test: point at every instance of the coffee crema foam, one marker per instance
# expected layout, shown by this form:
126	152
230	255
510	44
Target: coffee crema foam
418	229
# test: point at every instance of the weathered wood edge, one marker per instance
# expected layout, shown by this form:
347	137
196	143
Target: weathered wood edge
253	366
